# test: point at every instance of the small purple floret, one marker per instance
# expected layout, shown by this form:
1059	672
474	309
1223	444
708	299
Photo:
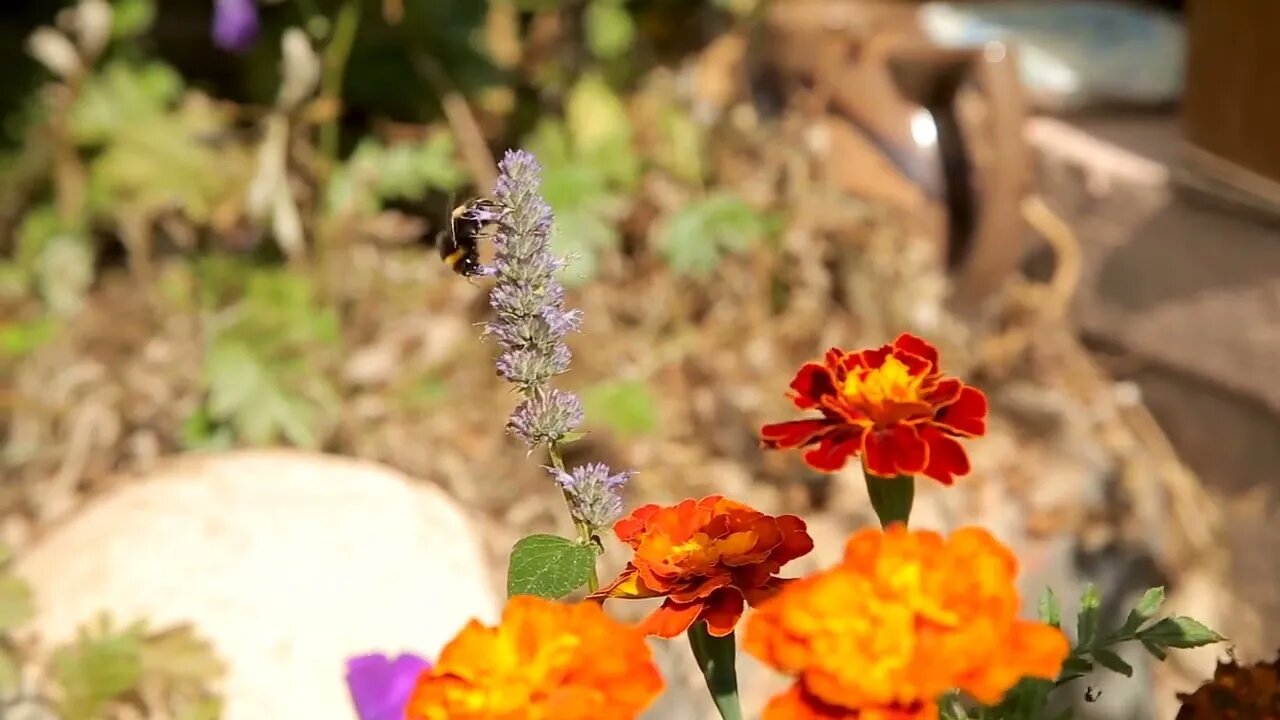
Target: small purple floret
235	24
380	686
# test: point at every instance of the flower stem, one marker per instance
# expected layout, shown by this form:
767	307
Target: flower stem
585	535
335	69
715	657
891	497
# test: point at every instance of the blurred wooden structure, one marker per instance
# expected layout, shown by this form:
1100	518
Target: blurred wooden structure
1231	106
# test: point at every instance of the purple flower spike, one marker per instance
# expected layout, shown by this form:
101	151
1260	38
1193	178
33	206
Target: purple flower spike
235	24
380	686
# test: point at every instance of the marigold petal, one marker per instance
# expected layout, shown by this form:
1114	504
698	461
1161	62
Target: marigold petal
947	457
944	392
812	383
796	704
795	540
917	366
628	528
910	452
722	611
670	619
877	454
919	347
628	585
835	449
701	590
966	416
793	433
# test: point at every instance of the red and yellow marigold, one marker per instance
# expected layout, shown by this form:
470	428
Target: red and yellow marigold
545	661
707	558
905	617
892	406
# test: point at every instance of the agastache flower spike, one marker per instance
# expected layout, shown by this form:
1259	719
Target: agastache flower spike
594	494
530	319
530	323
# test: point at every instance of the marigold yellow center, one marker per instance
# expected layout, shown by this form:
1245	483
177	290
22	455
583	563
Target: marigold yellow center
891	383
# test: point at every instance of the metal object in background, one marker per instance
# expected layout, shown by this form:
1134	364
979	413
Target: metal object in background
939	130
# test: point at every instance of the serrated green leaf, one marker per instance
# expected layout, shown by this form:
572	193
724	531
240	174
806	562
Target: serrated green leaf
178	655
694	239
1146	609
1049	609
1087	620
1156	651
16	604
1112	661
610	31
102	664
1179	632
627	407
548	566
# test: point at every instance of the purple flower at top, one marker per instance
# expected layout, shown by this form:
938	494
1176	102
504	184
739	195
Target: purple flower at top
235	24
380	686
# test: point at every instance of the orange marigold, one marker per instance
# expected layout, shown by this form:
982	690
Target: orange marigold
892	406
1236	692
905	617
545	661
708	558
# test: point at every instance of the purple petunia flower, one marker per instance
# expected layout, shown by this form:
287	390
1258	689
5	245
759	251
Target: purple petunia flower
380	686
235	24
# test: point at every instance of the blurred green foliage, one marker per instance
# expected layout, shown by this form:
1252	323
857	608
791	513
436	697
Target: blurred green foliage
627	408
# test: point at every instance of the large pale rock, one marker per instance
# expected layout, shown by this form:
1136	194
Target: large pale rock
288	562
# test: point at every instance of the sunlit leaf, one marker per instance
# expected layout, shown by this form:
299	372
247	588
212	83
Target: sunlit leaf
1179	632
628	407
121	95
1087	620
179	655
610	31
1050	610
1112	662
601	131
132	17
1146	609
548	566
100	665
694	240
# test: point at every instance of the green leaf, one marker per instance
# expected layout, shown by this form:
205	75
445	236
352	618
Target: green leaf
1156	651
10	672
178	655
21	339
1112	661
694	239
626	407
1087	620
1146	609
1072	668
16	605
101	665
120	96
132	17
1050	610
609	29
549	566
1179	632
716	659
891	497
601	132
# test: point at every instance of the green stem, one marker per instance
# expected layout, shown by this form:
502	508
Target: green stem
716	659
891	497
585	536
335	70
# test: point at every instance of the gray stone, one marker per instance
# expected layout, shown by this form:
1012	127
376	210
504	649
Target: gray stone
289	562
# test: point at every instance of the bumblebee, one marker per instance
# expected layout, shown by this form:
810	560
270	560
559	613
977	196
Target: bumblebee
460	247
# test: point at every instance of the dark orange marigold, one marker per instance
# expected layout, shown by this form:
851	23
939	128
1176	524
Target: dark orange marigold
708	558
545	661
892	406
1236	692
907	616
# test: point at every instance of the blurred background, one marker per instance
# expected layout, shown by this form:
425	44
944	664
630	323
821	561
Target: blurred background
248	426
